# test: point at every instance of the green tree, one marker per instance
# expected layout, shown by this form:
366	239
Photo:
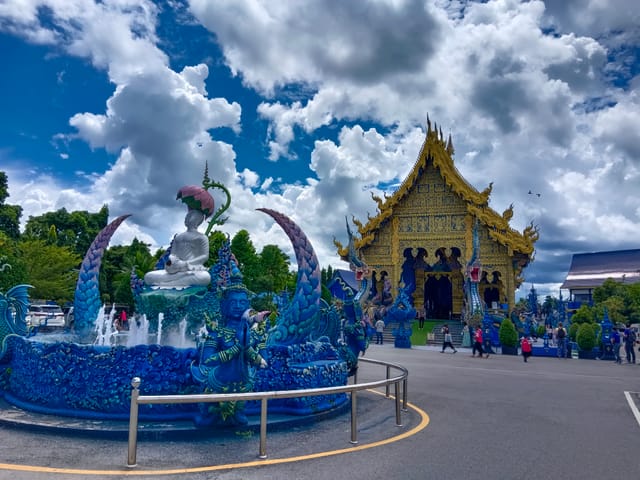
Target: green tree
52	270
75	230
4	187
583	315
615	308
622	300
117	264
326	294
327	275
216	240
610	288
12	268
247	258
9	214
272	274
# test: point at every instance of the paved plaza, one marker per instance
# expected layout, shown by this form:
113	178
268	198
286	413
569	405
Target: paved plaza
468	418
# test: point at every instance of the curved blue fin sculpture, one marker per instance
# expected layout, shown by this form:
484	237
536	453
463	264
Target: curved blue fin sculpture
86	304
300	318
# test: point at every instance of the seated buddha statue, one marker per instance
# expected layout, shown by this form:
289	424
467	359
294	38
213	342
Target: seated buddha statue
189	252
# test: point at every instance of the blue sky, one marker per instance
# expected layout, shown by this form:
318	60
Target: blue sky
306	106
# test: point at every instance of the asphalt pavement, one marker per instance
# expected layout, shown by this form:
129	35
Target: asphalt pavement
468	418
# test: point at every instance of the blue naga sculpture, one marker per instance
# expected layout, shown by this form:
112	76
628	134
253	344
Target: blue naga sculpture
13	310
87	294
357	332
474	308
403	313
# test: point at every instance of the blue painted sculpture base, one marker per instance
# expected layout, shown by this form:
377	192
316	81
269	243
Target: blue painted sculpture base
544	351
402	342
94	382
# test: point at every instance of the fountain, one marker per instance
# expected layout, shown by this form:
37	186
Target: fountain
87	373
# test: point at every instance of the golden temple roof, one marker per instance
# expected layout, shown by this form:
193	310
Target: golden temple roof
439	153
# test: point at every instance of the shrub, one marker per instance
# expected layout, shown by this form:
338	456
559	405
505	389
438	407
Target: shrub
573	331
508	334
586	337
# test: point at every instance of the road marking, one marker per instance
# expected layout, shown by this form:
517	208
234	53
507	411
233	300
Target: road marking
632	406
424	421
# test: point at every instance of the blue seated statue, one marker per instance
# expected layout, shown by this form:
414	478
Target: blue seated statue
228	354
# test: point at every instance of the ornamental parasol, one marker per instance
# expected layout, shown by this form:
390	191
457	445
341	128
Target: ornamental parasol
197	198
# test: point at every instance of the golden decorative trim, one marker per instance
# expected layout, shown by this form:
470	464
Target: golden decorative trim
436	155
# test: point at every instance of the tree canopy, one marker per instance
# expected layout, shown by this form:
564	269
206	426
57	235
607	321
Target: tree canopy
75	230
9	214
51	269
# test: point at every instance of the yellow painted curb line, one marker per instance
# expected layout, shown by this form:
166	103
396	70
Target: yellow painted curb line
424	421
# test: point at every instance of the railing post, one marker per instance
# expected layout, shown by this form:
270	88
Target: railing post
386	387
263	428
404	395
398	416
354	419
133	423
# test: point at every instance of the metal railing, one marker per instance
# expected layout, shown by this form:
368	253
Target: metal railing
264	397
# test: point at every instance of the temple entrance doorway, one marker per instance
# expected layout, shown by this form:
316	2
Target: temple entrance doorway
438	296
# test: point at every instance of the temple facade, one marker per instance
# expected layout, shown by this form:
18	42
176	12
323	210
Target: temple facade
422	237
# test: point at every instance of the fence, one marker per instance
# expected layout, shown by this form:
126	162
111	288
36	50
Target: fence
264	397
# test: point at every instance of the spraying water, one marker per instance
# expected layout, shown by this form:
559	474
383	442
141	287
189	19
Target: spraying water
106	330
159	335
138	331
183	333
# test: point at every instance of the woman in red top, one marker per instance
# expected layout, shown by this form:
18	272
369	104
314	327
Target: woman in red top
526	348
477	342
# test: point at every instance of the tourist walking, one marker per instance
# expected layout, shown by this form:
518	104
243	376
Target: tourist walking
525	345
448	339
477	343
379	325
629	342
615	342
422	313
561	336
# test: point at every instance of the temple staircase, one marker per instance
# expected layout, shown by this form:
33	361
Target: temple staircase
455	327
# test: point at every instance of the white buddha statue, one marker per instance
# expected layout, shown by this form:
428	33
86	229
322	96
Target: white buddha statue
189	251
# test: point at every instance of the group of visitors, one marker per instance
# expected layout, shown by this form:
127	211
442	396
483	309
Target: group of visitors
628	337
471	337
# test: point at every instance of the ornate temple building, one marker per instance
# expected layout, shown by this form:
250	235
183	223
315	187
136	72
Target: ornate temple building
422	236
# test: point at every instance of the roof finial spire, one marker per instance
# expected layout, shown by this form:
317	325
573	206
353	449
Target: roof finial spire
428	125
450	149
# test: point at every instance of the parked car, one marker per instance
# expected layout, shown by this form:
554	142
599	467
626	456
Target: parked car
46	315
